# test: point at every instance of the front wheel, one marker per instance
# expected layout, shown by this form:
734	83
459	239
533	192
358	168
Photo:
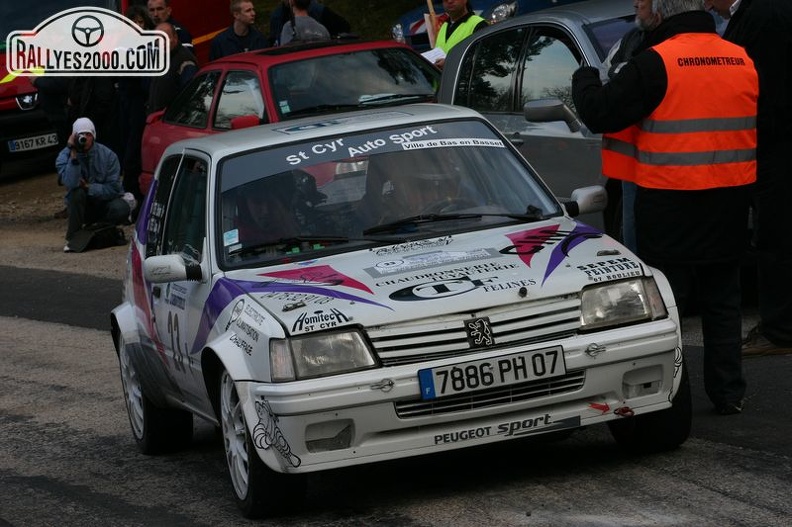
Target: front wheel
258	490
156	430
657	431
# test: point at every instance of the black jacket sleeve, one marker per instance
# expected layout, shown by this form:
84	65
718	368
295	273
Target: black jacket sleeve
631	95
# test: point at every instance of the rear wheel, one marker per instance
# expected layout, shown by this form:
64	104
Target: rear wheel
258	490
657	431
156	430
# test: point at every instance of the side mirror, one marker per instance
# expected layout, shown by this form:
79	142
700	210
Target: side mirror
154	117
245	121
548	110
587	200
170	268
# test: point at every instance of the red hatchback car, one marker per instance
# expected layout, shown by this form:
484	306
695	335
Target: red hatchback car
279	84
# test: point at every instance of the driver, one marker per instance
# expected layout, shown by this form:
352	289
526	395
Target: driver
265	209
422	192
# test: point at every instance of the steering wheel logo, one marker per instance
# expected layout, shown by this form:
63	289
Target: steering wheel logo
87	31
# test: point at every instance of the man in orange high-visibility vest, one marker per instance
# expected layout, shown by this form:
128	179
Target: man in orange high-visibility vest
680	119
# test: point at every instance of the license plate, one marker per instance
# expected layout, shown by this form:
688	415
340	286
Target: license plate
32	143
491	373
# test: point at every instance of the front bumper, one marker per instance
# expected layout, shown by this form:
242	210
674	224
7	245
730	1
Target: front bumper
353	419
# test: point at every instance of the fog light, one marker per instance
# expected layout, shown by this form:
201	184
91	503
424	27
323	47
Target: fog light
330	435
644	381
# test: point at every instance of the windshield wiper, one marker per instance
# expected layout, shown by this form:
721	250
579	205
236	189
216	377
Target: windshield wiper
300	242
323	108
374	100
532	214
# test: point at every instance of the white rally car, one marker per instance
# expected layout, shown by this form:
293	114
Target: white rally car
378	285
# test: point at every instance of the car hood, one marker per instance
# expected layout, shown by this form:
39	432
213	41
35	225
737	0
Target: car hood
437	276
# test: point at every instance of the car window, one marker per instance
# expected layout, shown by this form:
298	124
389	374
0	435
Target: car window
240	95
363	78
164	184
185	224
548	64
606	33
487	72
191	107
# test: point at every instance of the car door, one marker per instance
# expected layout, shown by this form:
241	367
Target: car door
178	225
502	72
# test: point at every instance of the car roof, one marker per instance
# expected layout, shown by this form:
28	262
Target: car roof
588	12
300	51
306	129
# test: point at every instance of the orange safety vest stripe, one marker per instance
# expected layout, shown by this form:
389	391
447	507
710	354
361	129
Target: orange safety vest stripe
701	135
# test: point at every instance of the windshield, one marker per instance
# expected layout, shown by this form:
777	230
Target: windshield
606	33
342	193
352	80
16	16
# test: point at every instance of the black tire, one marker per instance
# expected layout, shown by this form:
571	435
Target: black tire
657	431
156	430
259	492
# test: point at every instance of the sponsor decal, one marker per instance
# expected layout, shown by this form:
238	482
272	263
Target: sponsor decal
450	274
614	269
441	288
268	434
296	300
411	246
254	315
241	344
518	428
319	320
320	275
87	41
526	244
236	311
416	262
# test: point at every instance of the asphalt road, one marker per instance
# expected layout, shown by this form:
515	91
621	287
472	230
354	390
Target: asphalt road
67	457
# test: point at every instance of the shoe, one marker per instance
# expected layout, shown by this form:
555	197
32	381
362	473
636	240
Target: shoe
729	408
756	345
67	249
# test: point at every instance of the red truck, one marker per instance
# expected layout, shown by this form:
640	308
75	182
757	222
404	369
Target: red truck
25	130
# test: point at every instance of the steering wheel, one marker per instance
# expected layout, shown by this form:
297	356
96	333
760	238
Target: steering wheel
446	205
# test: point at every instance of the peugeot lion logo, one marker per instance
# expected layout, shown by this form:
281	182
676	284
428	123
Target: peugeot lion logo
479	333
87	31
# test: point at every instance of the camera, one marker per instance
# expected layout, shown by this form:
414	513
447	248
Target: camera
82	141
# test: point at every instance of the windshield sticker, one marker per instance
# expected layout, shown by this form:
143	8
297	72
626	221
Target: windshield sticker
435	259
230	237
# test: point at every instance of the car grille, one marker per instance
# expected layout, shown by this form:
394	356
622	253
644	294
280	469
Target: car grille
494	397
440	337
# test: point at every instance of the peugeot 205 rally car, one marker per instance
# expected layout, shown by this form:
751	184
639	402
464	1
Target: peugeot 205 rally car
382	284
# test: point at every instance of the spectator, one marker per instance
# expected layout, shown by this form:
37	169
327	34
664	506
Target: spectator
462	22
334	23
302	27
764	29
133	94
241	36
694	178
183	66
160	12
97	99
630	44
91	174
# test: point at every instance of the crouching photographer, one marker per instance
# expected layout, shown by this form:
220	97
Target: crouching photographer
91	174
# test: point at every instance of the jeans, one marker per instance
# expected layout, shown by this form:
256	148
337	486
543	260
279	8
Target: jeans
84	210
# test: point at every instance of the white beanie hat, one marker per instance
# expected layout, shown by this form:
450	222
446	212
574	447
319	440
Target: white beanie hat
84	125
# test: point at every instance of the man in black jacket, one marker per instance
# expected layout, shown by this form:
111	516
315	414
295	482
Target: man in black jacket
682	127
764	29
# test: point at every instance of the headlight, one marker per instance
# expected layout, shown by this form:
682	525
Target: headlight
620	303
397	32
502	12
319	355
